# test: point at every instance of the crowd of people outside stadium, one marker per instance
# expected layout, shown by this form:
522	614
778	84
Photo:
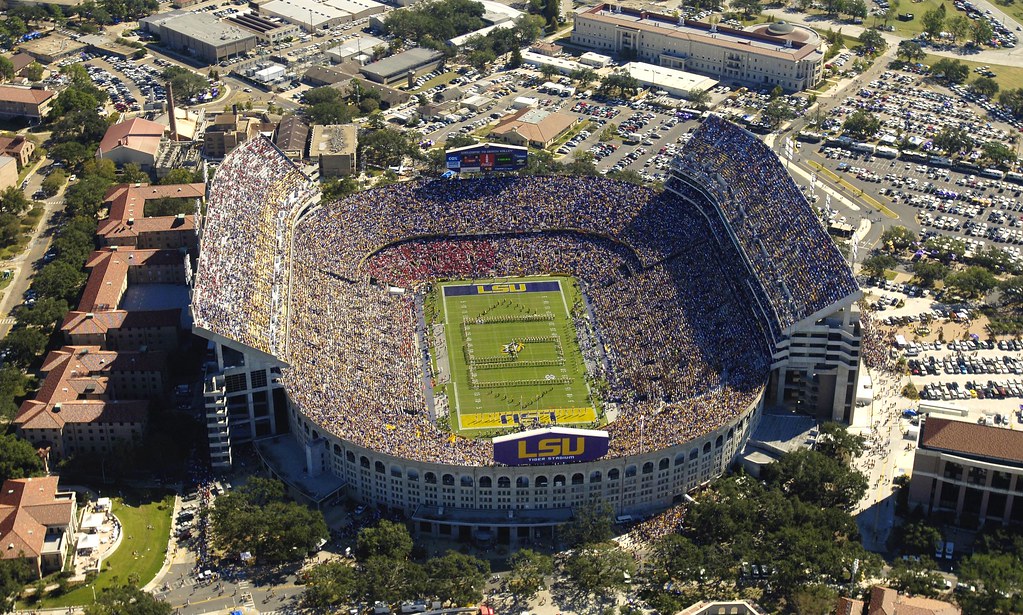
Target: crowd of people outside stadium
791	253
242	269
660	275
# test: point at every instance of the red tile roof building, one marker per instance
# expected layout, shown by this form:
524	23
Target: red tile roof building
973	471
127	225
133	141
37	522
887	601
17	101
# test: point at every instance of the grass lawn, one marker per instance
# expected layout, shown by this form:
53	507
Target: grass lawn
513	354
146	524
1008	77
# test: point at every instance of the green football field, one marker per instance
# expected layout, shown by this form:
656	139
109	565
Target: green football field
512	354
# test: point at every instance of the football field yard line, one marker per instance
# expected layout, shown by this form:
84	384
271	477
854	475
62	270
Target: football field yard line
478	329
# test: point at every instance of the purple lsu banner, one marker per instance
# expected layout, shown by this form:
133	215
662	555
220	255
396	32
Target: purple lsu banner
550	446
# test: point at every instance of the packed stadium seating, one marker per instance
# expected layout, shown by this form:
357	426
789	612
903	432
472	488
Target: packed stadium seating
684	352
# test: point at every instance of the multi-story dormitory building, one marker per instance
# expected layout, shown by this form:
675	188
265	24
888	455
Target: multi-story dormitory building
98	388
768	55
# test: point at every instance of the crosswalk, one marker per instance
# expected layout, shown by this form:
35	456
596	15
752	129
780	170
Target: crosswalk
10	320
246	595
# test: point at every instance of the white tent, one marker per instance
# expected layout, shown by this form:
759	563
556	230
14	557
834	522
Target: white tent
92	522
87	542
103	504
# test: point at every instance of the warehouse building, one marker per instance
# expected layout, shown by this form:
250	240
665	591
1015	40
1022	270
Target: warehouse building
311	15
767	55
200	35
353	48
671	80
268	31
417	61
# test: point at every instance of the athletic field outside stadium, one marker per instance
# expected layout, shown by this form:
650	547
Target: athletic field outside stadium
512	354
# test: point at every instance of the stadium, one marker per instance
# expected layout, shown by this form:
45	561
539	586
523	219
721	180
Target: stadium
394	346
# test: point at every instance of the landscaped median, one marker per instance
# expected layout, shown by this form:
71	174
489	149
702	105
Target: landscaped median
145	531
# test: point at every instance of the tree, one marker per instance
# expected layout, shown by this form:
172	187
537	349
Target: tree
456	577
749	8
911	51
876	265
390	580
480	59
60	280
388	147
897	238
86	195
915	577
777	111
971	282
814	600
187	84
181	176
582	165
54	182
529	572
13	201
1013	100
1012	290
6	68
835	441
619	83
699	98
927	272
515	60
598	568
18	458
958	26
627	175
46	312
933	21
591	523
862	124
984	86
132	174
386	539
953	140
70	153
817	479
14	385
584	76
945	248
14	574
948	70
34	71
872	41
127	600
549	71
855	8
916	538
982	32
258	518
330	584
337	188
24	345
998	153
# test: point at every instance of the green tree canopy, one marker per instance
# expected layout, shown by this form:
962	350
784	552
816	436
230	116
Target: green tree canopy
911	51
46	312
60	280
456	577
817	479
897	238
998	153
18	458
591	523
949	70
862	124
24	345
529	572
934	20
330	584
385	539
953	140
14	385
927	272
187	83
876	265
971	282
598	567
257	517
13	201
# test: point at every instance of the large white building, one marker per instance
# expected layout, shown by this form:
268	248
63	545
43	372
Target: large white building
311	15
767	55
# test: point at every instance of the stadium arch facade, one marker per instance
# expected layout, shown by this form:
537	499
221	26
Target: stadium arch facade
252	295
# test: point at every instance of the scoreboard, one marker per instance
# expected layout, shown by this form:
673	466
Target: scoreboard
486	157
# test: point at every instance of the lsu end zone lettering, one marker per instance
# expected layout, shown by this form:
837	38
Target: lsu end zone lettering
553	445
501	289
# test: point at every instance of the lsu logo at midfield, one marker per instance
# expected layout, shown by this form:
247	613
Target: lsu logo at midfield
552	447
490	289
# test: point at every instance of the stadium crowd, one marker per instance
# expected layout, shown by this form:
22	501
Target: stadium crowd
243	271
661	279
792	255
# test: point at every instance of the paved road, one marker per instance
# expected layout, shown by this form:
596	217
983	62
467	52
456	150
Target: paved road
25	264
